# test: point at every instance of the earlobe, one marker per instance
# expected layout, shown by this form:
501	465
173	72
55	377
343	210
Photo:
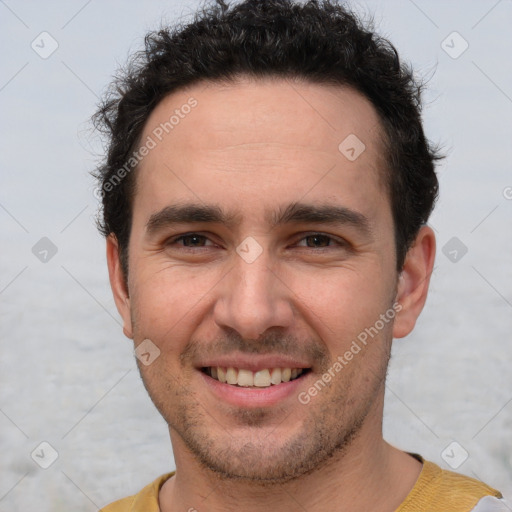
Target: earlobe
118	284
414	281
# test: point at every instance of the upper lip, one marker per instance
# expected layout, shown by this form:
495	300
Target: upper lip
254	362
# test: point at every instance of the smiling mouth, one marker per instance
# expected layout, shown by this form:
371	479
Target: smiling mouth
263	378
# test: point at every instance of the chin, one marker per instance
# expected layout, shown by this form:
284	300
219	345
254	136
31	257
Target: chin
263	457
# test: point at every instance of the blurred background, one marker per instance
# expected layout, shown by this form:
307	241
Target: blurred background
77	428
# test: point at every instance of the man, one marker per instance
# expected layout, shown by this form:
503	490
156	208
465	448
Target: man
265	199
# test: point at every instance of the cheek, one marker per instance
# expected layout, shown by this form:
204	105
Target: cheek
164	301
342	303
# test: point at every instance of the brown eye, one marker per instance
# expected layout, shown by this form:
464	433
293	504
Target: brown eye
318	240
321	241
194	240
189	240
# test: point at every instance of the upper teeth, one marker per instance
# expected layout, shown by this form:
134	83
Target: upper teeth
246	378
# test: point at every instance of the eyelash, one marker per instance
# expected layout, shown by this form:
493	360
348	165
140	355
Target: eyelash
337	242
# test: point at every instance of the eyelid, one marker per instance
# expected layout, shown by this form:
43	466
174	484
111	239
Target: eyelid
338	240
175	238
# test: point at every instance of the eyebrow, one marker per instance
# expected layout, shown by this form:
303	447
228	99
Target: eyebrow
321	214
292	213
189	214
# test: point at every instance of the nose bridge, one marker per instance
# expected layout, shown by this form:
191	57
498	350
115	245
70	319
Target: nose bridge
252	300
254	282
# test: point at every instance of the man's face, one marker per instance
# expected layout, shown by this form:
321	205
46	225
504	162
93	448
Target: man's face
257	244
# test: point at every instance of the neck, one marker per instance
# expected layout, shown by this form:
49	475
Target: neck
368	475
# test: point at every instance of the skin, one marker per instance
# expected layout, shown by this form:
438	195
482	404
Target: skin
253	148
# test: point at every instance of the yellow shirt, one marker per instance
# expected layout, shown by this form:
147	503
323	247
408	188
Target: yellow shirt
436	490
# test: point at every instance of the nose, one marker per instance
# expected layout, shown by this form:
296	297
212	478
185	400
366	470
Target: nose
253	298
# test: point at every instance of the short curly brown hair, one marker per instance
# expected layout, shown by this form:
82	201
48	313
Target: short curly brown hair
318	41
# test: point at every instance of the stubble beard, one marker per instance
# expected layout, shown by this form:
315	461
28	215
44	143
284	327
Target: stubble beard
329	427
331	423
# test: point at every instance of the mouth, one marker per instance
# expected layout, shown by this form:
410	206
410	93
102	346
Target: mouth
263	378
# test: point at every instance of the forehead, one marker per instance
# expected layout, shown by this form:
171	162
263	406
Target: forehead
311	113
260	136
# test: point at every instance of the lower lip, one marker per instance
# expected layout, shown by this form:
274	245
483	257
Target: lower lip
252	397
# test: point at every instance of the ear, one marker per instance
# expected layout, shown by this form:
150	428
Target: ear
118	284
414	281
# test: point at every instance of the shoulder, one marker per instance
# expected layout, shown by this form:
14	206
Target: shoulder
124	505
456	483
144	501
438	490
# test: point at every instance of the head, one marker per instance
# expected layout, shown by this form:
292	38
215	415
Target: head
265	195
